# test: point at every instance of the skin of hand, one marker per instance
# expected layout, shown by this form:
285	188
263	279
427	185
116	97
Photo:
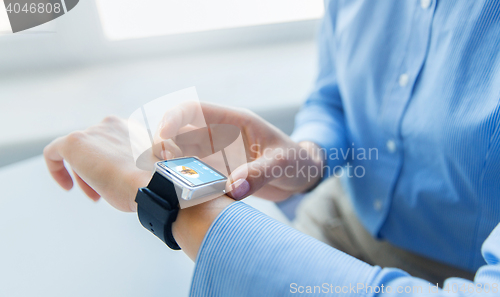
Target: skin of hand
273	158
102	164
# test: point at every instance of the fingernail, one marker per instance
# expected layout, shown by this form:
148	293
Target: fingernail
166	155
239	189
162	126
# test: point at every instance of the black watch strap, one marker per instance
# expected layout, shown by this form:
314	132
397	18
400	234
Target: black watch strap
157	208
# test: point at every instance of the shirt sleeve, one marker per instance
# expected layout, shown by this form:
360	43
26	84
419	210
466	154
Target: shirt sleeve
321	118
486	282
246	253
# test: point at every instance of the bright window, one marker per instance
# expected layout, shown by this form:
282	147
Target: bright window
127	19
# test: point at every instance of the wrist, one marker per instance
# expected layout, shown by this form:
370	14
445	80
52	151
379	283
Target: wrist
136	181
192	223
314	161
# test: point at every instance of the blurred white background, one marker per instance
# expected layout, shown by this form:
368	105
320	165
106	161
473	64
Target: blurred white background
110	57
127	19
71	72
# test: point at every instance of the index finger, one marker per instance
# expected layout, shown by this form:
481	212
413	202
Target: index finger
198	114
186	113
55	164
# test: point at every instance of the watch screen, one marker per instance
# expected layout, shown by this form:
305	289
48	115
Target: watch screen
193	170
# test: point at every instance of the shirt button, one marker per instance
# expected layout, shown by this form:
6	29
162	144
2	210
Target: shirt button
377	204
403	80
391	146
425	3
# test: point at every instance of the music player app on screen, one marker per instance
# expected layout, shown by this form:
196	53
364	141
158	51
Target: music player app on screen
193	171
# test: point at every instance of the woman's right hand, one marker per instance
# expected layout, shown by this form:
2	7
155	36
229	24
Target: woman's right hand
277	166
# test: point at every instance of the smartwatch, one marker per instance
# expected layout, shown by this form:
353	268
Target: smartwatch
176	184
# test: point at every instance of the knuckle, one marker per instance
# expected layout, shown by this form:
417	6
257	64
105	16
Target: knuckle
46	150
75	136
189	105
243	111
247	115
280	161
250	113
192	103
111	119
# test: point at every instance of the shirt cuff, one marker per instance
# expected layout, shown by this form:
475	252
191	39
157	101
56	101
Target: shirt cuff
246	253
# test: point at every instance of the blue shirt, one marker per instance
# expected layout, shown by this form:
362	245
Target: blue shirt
420	84
246	253
417	85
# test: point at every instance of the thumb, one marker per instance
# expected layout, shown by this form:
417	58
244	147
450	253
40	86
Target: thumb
250	177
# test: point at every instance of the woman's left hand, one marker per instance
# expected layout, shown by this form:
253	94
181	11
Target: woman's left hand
102	162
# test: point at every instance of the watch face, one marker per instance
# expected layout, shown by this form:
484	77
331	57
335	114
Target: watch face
192	170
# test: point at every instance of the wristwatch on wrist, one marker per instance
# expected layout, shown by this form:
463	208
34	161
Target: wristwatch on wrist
176	184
